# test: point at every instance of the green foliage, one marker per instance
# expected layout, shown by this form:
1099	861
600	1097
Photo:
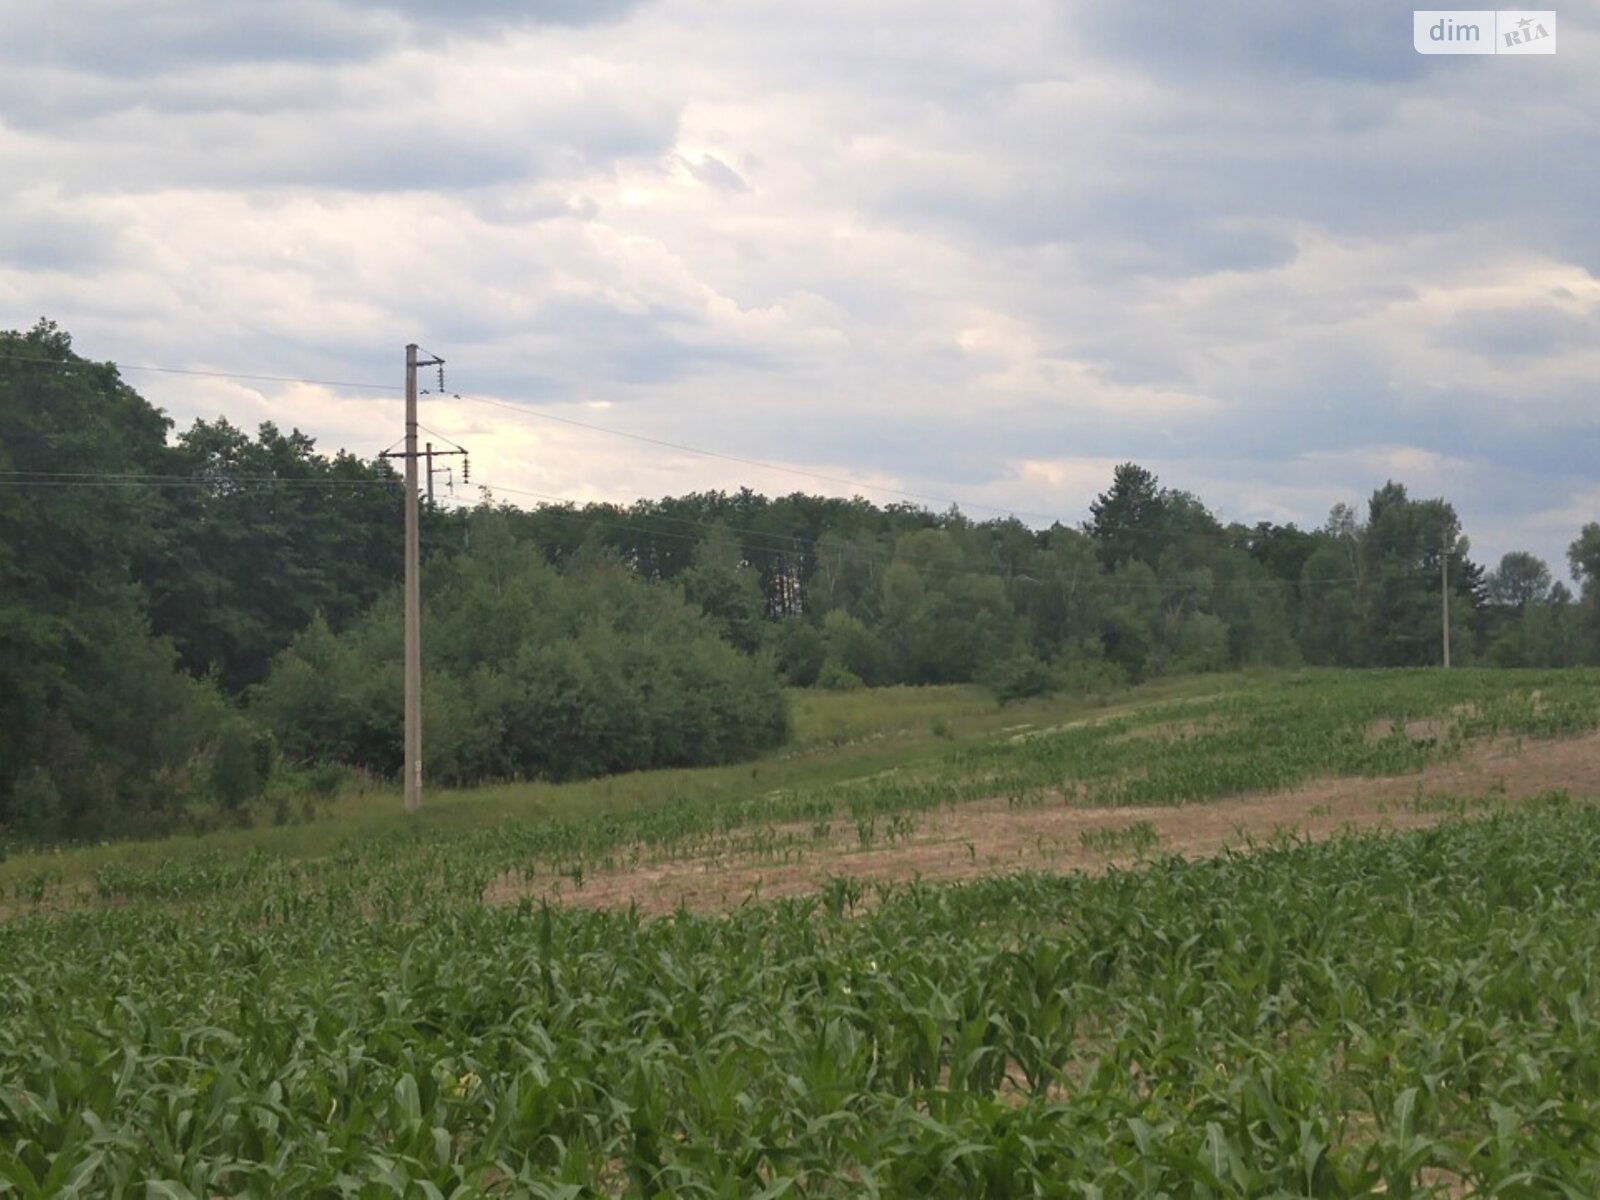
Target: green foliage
90	707
849	647
1128	518
874	715
1137	838
800	651
1278	733
240	765
1087	671
727	590
835	677
1548	634
128	613
338	699
1024	677
1584	555
116	601
1127	640
532	674
900	595
268	534
1521	579
872	758
37	808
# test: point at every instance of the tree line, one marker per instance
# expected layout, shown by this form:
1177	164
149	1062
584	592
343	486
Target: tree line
843	592
191	622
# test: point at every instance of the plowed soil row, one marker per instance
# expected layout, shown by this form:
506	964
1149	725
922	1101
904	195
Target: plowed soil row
988	836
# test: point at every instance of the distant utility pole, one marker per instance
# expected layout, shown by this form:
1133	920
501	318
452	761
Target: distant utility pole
429	454
1444	590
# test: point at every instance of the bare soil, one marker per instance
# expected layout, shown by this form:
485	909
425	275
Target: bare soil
989	836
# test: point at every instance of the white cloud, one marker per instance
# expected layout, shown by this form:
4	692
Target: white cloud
984	251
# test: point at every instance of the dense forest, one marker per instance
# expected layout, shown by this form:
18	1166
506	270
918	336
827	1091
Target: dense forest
190	624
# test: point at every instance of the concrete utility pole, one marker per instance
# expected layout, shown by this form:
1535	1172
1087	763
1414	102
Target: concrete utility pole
413	766
1444	591
413	763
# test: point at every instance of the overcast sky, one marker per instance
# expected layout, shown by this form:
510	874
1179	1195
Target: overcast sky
979	252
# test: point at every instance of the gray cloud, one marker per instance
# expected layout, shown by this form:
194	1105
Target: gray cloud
1353	39
155	37
506	12
37	238
1264	247
713	172
360	130
1516	333
162	37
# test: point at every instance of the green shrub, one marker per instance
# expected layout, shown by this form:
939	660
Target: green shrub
38	807
835	677
238	767
532	674
1022	677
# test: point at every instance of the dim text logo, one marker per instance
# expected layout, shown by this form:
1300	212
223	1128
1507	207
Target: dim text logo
1483	31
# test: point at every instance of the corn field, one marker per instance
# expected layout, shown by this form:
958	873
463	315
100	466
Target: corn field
1411	1015
1405	1015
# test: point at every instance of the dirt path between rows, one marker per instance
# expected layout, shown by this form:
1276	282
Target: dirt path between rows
989	836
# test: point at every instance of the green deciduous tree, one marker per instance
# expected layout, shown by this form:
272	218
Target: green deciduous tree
263	534
100	732
727	590
532	673
1520	580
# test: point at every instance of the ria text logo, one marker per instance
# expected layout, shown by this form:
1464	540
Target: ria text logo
1483	31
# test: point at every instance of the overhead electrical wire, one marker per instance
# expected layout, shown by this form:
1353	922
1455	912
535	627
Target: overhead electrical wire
142	479
735	458
199	371
879	557
524	410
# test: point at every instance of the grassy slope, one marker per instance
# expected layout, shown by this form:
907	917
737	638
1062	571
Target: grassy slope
838	736
867	754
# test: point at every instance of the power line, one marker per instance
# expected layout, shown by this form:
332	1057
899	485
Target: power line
850	551
191	483
780	542
749	462
523	410
1222	532
756	539
544	416
139	479
441	437
338	383
552	506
